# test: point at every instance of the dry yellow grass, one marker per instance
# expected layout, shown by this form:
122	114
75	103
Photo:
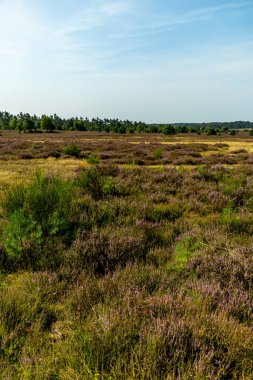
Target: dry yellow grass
233	144
16	171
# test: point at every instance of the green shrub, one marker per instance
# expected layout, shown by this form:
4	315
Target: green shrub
109	186
236	221
93	181
93	159
169	211
71	150
184	251
35	213
159	153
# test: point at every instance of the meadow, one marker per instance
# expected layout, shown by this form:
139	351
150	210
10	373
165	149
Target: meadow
126	256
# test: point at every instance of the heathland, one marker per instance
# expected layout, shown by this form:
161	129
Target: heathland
126	256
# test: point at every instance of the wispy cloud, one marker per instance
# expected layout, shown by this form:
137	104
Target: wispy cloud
172	20
91	17
115	8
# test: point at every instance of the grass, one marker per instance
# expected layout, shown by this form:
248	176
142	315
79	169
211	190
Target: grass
114	271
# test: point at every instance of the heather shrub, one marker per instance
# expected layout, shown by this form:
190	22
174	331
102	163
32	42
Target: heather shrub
232	183
170	211
88	251
85	295
126	245
148	269
237	221
158	256
113	211
214	173
93	181
105	251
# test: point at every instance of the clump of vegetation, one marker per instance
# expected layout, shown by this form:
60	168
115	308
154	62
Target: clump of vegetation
96	184
159	152
93	159
71	150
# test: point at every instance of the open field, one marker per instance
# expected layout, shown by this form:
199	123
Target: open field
127	257
46	151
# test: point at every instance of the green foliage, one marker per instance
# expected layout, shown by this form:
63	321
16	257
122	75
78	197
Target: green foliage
211	131
98	186
46	123
20	232
50	123
13	124
93	159
232	220
170	211
36	212
14	199
159	152
92	181
109	186
169	130
184	250
71	150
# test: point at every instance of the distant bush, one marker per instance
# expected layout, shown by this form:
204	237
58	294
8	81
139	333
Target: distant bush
159	153
211	132
71	150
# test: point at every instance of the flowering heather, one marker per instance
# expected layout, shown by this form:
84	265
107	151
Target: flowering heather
124	267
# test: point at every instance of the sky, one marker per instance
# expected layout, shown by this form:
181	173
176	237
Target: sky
158	61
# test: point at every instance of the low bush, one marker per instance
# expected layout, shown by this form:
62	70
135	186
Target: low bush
71	150
170	211
93	159
158	154
93	181
108	250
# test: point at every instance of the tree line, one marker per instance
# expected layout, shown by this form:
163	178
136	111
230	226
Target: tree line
24	122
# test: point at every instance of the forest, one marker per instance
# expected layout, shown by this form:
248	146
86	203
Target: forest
24	122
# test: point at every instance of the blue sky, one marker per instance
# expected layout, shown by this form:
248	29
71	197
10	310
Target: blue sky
150	60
